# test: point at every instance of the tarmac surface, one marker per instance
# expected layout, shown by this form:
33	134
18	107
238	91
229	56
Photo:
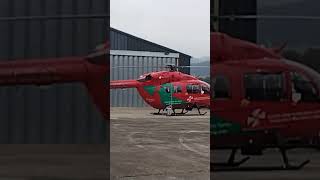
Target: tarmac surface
153	147
272	157
53	162
145	147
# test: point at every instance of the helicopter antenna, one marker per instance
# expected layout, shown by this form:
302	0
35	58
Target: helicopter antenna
172	67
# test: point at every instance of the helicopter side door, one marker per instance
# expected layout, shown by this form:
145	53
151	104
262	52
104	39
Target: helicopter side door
305	106
198	94
281	101
265	96
223	109
193	91
243	98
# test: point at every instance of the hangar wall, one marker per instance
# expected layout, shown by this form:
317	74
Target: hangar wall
123	41
64	113
241	28
130	65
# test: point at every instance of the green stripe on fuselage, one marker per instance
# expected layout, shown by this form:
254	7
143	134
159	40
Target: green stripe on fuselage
166	98
220	126
150	89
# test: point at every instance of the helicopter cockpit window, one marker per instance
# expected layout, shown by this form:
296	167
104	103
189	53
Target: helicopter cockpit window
264	86
303	86
143	78
205	89
221	87
148	77
314	74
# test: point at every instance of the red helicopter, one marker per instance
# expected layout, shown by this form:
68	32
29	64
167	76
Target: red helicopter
169	90
260	100
91	70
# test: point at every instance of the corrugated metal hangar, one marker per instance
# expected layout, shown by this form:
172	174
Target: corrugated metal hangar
37	29
241	28
131	57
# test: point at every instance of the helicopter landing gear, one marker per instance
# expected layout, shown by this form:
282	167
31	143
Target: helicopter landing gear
170	111
231	165
287	165
158	113
200	111
231	161
182	112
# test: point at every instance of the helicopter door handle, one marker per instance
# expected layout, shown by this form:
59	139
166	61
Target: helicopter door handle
244	103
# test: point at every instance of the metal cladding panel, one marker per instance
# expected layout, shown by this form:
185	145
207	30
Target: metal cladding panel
130	65
241	28
62	113
123	41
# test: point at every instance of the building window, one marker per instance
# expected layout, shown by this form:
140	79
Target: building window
264	86
221	87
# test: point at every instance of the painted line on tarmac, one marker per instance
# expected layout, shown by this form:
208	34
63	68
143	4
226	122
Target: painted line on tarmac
190	148
133	141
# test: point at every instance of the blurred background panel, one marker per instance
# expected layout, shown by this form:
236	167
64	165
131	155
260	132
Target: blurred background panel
271	24
63	113
300	31
241	28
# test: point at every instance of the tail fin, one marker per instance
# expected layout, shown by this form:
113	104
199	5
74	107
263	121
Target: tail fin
278	50
121	84
100	55
226	48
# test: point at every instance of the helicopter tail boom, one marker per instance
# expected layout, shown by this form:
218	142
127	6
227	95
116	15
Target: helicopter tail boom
46	72
122	84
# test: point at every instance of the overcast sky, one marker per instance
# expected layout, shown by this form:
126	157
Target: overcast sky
182	25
